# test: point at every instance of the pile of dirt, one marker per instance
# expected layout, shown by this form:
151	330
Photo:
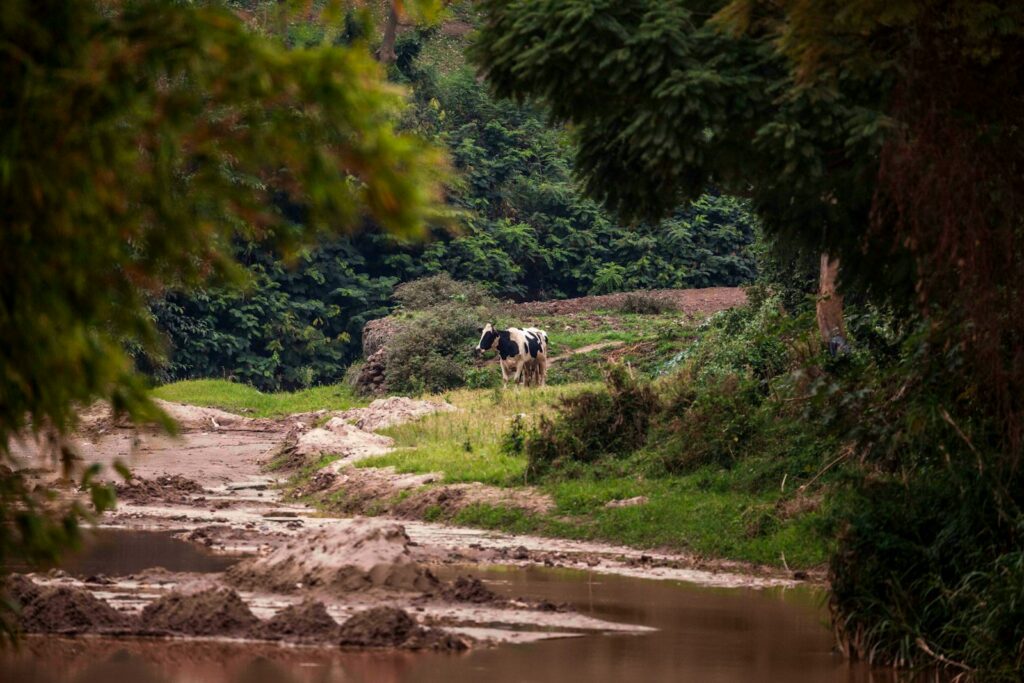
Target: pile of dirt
690	301
336	437
166	488
372	377
307	622
387	412
393	627
63	609
469	589
377	334
20	589
363	555
371	487
210	612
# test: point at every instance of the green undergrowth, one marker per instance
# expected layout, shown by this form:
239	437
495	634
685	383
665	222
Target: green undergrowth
744	512
246	400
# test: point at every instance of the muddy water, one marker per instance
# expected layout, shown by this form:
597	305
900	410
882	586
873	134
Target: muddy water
116	553
714	635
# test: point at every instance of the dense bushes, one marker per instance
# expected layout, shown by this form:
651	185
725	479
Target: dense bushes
593	424
929	566
432	349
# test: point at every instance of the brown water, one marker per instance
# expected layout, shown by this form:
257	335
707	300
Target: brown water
713	635
117	553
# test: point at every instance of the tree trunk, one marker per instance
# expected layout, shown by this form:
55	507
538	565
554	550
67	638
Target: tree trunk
386	51
830	307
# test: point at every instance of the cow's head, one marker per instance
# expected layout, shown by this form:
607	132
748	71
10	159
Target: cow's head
488	335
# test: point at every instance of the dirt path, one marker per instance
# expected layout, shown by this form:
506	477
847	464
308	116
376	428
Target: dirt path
587	349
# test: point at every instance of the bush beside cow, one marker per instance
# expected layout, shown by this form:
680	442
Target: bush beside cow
522	353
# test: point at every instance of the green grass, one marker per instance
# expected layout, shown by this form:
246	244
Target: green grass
244	399
709	512
466	445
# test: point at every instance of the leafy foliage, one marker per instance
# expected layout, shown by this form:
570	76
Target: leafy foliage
137	142
592	424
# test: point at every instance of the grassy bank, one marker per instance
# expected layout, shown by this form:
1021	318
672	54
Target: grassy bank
245	400
710	511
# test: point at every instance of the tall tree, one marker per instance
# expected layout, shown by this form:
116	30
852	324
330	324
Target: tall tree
137	140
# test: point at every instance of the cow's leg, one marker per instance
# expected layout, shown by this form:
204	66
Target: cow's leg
519	370
504	374
542	371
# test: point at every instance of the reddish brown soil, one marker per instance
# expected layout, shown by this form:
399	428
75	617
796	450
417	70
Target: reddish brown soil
214	612
367	555
169	488
690	301
64	610
393	627
307	622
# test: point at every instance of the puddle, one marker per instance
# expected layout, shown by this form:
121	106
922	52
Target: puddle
704	634
117	552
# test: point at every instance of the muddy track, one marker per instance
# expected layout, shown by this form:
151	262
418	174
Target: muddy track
211	487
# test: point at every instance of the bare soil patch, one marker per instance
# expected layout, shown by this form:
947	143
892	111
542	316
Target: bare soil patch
377	489
64	610
689	301
169	488
387	412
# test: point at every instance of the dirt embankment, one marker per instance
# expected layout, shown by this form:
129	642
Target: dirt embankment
694	302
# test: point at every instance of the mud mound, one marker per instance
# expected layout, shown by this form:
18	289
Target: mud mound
308	622
21	590
393	627
359	556
377	333
336	437
469	589
212	612
166	488
387	412
68	610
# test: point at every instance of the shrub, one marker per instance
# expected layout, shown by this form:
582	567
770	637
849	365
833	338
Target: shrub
709	423
645	304
593	424
438	290
432	349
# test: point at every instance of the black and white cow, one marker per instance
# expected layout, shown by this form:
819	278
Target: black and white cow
522	354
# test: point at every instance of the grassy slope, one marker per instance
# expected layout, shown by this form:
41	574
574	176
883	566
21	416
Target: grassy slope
704	512
243	399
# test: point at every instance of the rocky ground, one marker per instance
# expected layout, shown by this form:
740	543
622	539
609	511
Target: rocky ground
303	577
